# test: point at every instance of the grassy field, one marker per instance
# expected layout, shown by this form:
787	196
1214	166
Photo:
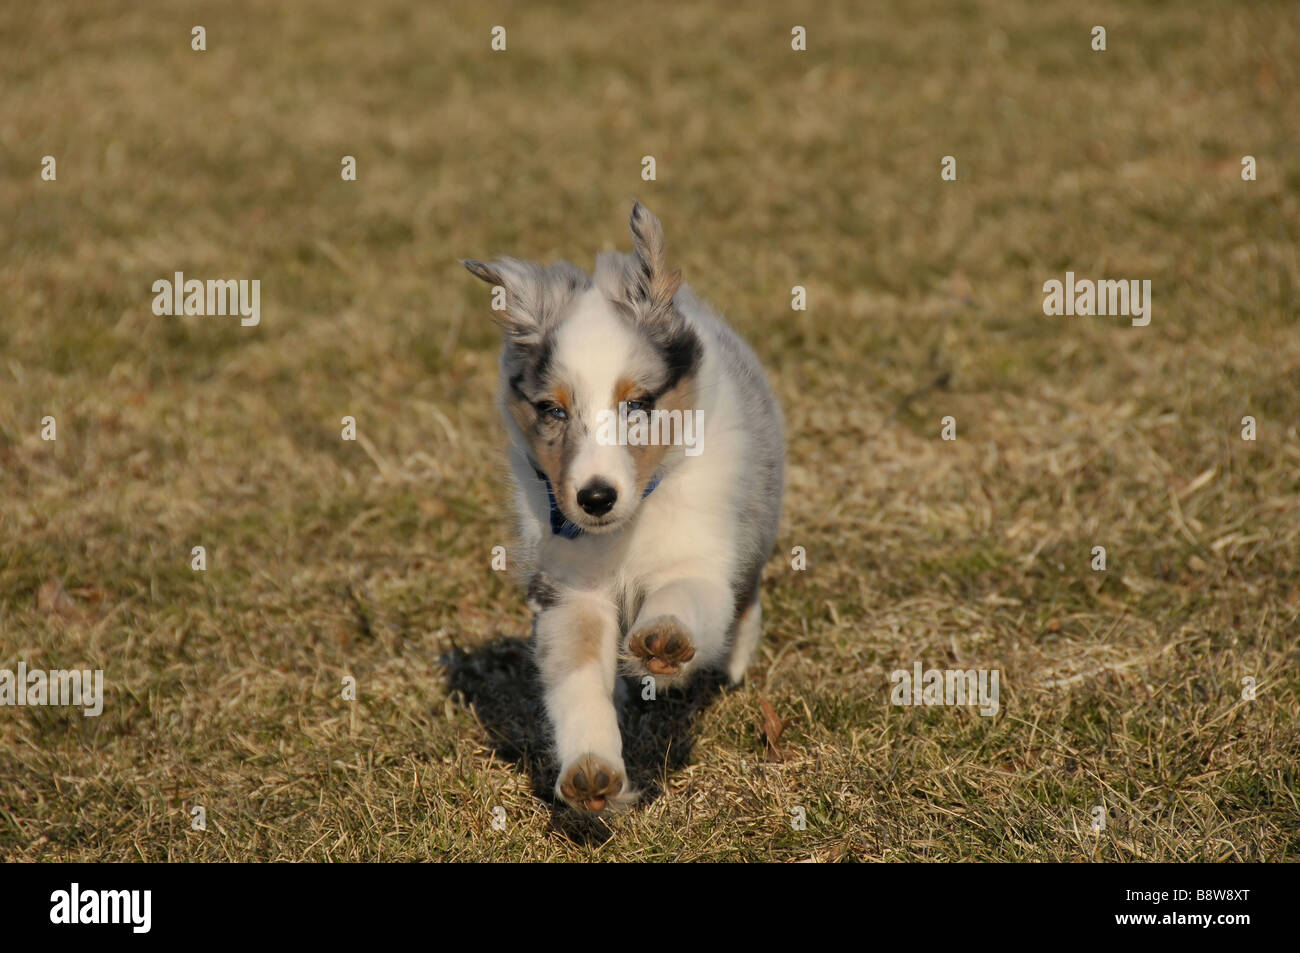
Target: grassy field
372	558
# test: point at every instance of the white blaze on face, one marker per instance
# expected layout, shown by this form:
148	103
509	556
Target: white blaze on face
594	347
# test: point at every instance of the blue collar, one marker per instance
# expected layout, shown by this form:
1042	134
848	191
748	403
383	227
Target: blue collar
560	524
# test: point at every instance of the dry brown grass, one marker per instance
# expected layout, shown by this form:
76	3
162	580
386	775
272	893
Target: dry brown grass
372	558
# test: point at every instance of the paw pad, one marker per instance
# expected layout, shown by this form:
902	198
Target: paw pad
589	783
662	645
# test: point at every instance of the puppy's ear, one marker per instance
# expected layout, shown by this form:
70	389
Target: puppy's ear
482	270
656	282
534	294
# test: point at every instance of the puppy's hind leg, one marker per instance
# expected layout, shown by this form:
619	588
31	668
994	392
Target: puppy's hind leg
744	640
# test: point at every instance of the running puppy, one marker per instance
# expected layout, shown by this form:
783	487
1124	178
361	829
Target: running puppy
647	456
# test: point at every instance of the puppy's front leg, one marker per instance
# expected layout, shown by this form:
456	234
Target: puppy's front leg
577	641
682	626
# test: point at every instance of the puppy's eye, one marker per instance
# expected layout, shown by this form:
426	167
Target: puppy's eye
554	411
634	405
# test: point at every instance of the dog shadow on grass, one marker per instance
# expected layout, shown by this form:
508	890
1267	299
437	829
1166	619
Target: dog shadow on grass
500	682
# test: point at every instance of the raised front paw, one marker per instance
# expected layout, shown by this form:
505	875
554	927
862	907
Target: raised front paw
662	645
589	783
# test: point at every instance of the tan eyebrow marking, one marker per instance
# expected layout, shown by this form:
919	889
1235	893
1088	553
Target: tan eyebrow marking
623	389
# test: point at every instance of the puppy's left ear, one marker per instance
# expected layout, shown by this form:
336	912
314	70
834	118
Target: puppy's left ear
656	282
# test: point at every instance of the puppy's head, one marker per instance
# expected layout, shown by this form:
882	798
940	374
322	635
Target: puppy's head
575	350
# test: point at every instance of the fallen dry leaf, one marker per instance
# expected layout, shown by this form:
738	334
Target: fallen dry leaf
772	728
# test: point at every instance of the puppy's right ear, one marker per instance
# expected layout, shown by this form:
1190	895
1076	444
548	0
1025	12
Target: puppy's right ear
511	308
482	270
533	296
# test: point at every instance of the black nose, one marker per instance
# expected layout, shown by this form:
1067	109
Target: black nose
597	498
